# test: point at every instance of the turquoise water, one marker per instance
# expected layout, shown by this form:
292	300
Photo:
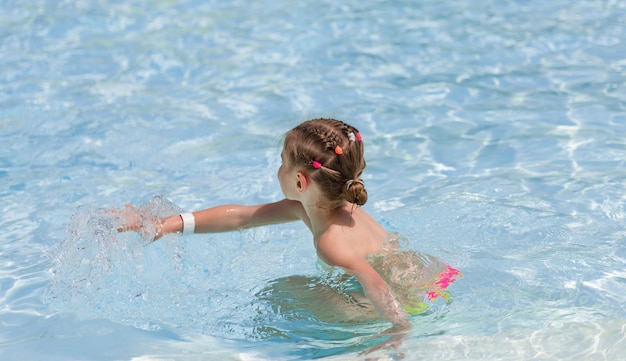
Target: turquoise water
495	135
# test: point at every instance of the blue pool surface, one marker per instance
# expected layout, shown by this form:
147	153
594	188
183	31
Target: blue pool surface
495	135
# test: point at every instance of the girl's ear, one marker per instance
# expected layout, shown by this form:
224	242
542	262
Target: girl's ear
302	181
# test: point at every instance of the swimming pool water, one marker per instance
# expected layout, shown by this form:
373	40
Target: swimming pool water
495	136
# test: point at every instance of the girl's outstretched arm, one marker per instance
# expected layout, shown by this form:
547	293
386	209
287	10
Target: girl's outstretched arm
230	217
222	218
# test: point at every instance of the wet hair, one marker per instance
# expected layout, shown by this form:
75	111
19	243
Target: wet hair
313	146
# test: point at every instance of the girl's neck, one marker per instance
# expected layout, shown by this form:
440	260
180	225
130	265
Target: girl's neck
322	217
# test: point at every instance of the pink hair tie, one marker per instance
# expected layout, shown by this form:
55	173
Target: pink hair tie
359	137
316	164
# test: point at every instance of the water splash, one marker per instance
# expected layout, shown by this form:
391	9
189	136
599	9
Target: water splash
97	270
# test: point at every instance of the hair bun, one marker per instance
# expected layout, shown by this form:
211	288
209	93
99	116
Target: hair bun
354	192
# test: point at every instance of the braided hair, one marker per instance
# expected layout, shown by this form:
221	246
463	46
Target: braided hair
331	153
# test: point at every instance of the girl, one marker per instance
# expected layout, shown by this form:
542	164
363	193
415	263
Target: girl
320	177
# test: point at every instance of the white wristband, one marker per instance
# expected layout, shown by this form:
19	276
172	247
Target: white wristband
189	223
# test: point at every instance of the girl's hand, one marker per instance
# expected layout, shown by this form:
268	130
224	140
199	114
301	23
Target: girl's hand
131	219
136	220
397	335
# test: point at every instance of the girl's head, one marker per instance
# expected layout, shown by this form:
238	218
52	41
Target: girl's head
330	153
